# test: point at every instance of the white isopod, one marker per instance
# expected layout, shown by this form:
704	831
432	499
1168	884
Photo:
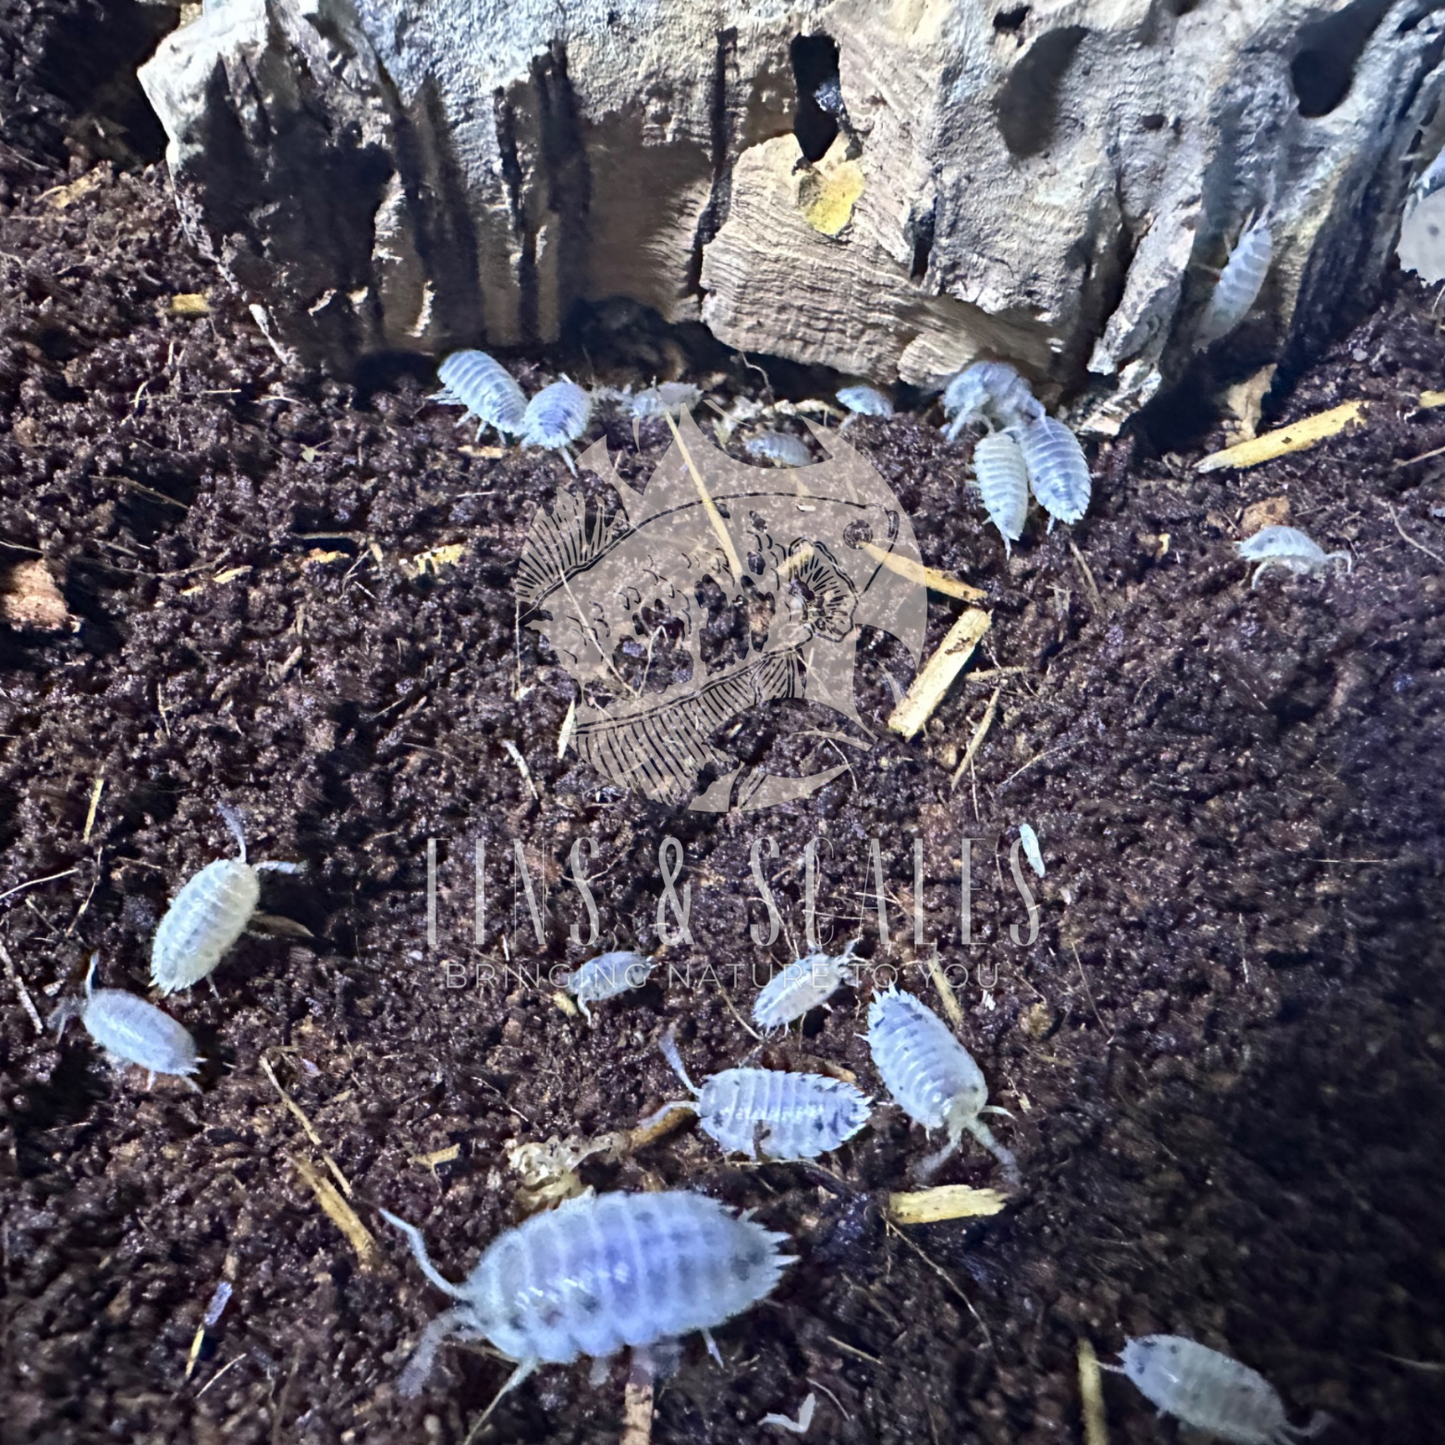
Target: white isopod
803	985
600	1272
1209	1391
1032	851
606	976
1058	469
861	400
209	914
988	391
1003	483
482	385
133	1031
1239	283
1288	547
556	417
932	1076
769	1114
779	448
667	398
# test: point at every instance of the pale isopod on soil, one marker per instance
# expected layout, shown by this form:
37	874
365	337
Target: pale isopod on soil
803	985
1032	852
779	448
556	417
208	915
667	398
600	1272
1003	483
1209	1391
134	1031
606	976
1058	469
482	385
1288	547
863	400
988	391
931	1075
769	1114
1239	283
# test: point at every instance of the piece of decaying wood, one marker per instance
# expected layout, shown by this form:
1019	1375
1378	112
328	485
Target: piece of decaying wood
930	577
637	1412
939	672
979	734
341	1214
1096	1432
947	1201
31	602
1292	438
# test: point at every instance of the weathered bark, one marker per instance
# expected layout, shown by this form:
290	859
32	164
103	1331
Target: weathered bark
887	189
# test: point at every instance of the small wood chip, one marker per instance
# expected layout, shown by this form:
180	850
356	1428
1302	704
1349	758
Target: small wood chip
569	726
1096	1432
938	674
434	560
438	1156
30	601
1295	437
62	196
1271	512
948	1201
190	303
341	1214
930	577
637	1413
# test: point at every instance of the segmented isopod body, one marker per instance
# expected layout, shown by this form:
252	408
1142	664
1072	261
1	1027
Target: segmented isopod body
137	1032
208	915
1003	483
779	448
482	385
668	398
1032	851
557	416
931	1075
1209	1391
1288	547
988	391
769	1114
606	976
1239	283
802	986
600	1272
863	400
1058	469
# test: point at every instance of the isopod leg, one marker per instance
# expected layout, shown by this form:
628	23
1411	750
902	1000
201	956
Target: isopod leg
1319	1422
930	1166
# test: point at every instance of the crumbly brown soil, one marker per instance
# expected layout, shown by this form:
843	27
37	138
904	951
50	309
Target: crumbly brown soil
1223	1053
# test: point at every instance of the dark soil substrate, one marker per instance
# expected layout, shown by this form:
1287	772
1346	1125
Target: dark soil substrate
1222	1053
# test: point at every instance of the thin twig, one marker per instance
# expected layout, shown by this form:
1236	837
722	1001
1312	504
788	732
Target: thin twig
1434	556
979	734
36	882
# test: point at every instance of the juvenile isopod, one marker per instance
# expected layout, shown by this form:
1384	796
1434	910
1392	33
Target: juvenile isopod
1058	469
556	417
932	1076
1288	547
1003	483
600	1272
991	392
803	985
667	398
606	976
1032	851
209	914
861	400
1240	282
1209	1391
779	448
482	385
769	1114
133	1031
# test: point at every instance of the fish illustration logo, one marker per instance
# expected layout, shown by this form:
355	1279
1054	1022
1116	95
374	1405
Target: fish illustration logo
720	588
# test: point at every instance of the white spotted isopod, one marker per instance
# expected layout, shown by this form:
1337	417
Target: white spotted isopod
1003	483
769	1114
606	976
482	385
802	986
932	1076
1239	283
1058	469
991	392
779	448
134	1031
598	1273
556	417
209	914
1209	1391
1288	547
862	400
